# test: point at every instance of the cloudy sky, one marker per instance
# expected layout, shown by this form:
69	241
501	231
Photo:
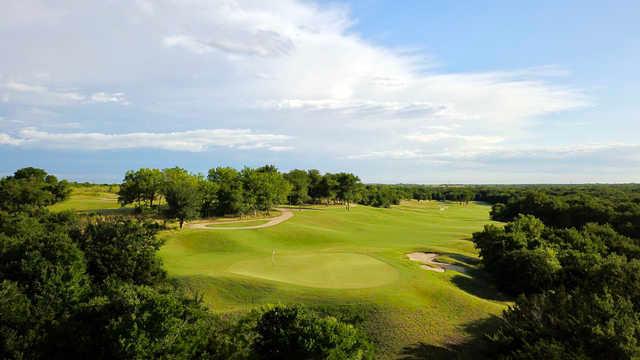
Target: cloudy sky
413	91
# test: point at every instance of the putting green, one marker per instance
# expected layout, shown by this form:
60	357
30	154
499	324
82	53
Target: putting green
321	270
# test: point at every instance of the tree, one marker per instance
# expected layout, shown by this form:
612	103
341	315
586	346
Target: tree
143	185
30	189
43	282
300	181
181	190
209	192
126	321
229	189
272	188
122	249
315	181
347	186
327	187
291	333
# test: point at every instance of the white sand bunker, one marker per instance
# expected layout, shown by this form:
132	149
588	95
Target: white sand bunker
429	263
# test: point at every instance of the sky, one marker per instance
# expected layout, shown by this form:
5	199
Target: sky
396	92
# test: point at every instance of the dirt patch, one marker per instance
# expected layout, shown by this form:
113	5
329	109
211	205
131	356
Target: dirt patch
429	263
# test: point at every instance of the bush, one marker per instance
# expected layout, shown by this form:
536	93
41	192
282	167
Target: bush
291	333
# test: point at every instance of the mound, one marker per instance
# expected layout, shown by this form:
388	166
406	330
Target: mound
323	270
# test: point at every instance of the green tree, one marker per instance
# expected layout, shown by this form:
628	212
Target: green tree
251	184
300	181
209	192
327	187
291	333
43	282
315	180
181	191
123	249
273	189
140	186
230	194
347	187
30	189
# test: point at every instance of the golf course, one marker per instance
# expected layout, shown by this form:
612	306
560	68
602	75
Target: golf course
350	264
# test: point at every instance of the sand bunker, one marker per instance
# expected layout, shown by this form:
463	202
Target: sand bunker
428	259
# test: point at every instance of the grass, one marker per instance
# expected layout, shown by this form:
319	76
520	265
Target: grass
85	200
351	263
320	270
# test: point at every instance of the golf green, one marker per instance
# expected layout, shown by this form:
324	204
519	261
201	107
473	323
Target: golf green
331	270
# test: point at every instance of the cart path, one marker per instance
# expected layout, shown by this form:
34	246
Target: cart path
285	214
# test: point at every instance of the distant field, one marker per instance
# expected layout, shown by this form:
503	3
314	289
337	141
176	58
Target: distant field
91	200
352	263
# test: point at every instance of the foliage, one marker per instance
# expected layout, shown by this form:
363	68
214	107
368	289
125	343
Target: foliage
291	333
181	190
30	189
123	249
300	181
43	281
579	276
347	189
140	186
230	191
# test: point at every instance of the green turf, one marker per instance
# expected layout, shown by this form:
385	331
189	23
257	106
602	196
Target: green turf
349	261
89	200
330	270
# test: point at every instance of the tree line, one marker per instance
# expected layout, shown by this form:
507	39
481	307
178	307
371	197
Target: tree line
571	255
227	191
93	287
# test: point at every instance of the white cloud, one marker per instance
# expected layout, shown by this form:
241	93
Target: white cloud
103	97
602	153
357	108
443	136
287	67
192	141
6	139
29	93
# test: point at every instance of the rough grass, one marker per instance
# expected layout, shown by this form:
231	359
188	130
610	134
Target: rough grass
320	256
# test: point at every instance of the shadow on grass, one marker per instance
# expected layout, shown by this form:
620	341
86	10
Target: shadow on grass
301	207
467	260
477	347
478	284
109	212
233	290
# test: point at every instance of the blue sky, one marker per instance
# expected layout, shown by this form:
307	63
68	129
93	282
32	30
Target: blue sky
412	91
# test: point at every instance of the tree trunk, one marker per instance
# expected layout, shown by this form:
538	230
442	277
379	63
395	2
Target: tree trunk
181	222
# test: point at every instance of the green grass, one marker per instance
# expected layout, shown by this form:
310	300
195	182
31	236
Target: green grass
330	270
350	262
87	200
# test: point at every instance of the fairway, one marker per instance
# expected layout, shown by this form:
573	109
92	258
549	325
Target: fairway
332	270
349	262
